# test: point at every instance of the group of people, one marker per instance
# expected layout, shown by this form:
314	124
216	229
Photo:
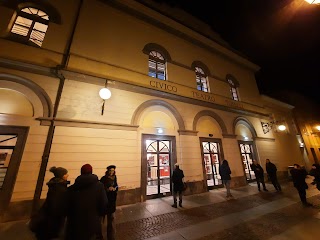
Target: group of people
77	211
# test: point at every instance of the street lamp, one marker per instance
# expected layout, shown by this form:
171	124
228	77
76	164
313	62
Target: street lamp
313	1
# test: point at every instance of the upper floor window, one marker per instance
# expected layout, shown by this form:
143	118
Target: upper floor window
233	87
157	65
202	80
31	25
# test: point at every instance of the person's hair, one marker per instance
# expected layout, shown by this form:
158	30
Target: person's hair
225	162
296	165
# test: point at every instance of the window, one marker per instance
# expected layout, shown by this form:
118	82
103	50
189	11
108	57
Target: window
202	80
233	87
31	25
157	65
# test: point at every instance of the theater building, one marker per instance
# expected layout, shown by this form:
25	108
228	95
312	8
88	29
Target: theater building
179	93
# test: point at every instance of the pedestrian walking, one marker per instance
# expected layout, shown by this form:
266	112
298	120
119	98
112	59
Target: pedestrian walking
87	203
109	181
259	173
225	172
299	182
315	172
49	221
272	174
178	185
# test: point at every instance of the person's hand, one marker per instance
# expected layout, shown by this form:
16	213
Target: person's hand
111	188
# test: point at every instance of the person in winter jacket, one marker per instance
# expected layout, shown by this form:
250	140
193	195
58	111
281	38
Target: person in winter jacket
272	173
259	173
315	172
54	208
178	185
87	203
109	181
225	172
299	175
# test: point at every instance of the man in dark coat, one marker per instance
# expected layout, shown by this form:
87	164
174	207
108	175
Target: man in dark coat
87	203
272	173
299	175
109	181
53	210
259	173
178	185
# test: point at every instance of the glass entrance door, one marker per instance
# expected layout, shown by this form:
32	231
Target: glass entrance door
246	150
212	157
158	167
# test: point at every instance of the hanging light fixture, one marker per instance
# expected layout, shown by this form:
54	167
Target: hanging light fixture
105	94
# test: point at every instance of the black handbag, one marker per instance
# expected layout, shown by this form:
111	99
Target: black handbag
38	220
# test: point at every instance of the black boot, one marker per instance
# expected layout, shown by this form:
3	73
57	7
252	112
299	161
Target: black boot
174	205
180	203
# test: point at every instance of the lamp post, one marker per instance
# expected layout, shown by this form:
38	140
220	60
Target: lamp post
313	1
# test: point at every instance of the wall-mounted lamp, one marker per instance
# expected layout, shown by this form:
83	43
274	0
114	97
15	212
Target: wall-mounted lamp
105	94
159	130
245	138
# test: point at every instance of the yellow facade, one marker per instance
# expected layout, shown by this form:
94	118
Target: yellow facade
90	42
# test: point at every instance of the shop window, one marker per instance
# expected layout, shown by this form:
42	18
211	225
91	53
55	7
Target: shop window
30	26
233	83
157	65
201	79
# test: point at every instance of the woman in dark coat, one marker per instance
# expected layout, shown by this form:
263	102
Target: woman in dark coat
54	207
110	183
225	172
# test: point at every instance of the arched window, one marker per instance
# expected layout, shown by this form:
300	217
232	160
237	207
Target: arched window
233	87
202	80
31	25
157	65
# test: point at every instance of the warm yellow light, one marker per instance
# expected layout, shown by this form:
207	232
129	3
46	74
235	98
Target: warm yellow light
282	127
313	1
318	128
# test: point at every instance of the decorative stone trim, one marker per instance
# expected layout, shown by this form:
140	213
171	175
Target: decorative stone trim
229	135
188	132
86	124
264	139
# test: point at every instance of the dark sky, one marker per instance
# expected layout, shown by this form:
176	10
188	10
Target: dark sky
281	36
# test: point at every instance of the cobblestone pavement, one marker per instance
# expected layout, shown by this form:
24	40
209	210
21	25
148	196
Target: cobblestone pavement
251	216
273	222
269	225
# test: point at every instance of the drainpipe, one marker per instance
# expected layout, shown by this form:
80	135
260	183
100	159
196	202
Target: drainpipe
47	148
46	153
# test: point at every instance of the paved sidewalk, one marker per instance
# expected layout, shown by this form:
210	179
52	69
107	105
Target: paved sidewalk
250	215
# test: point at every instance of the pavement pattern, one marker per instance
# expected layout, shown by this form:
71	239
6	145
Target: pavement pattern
251	215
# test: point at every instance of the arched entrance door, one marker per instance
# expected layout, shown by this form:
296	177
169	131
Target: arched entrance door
158	157
212	155
247	155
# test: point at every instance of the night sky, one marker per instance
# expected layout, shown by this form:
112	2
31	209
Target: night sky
281	36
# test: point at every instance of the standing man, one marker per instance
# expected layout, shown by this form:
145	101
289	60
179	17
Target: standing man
299	182
109	181
87	203
177	180
259	173
272	173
